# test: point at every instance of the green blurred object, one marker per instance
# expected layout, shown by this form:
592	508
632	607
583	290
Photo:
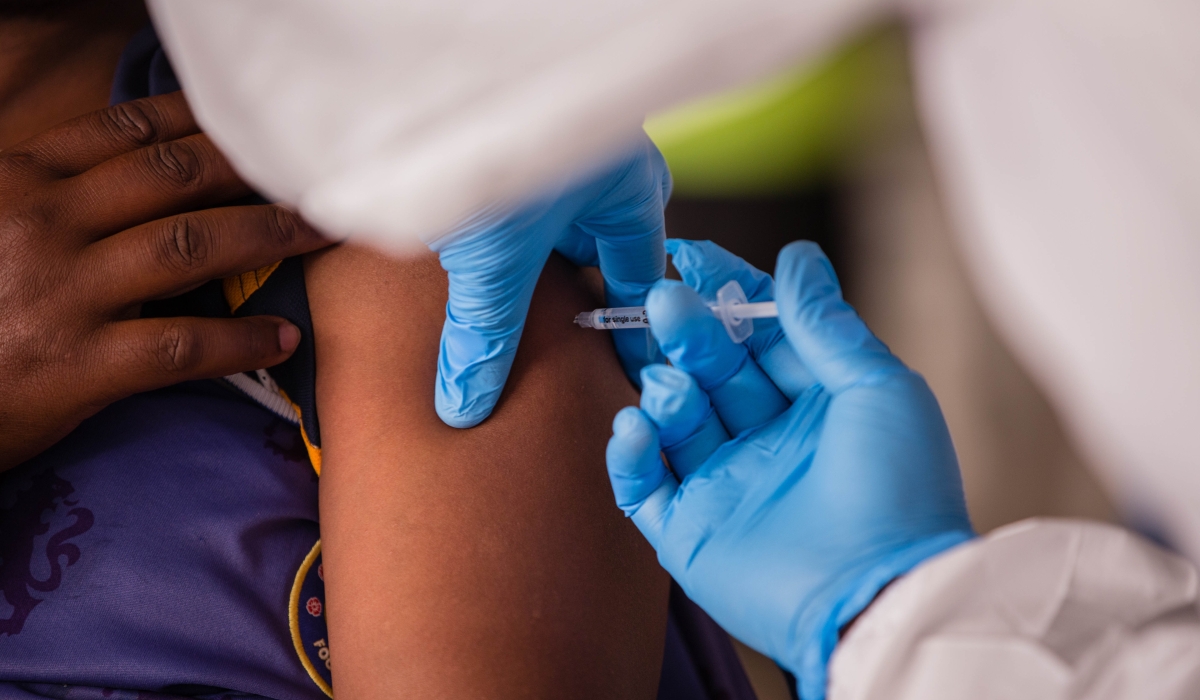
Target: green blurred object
782	135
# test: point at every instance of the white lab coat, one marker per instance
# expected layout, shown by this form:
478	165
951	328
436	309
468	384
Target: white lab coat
1067	137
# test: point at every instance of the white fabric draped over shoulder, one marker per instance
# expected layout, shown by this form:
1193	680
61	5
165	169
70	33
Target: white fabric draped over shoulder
392	120
1039	610
1067	142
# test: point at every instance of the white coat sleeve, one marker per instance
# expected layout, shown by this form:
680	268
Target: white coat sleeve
1039	610
391	120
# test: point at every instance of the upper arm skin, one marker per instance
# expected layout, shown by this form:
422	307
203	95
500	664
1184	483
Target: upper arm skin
482	563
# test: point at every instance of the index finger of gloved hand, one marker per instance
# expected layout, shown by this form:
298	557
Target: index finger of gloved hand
169	256
84	142
492	275
641	483
706	267
626	221
827	334
688	427
696	342
579	248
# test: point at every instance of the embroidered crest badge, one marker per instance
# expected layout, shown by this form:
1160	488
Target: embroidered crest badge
306	613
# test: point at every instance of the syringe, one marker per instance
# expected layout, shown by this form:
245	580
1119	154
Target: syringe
732	308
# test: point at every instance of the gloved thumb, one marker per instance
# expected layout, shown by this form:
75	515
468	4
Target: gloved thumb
491	285
827	334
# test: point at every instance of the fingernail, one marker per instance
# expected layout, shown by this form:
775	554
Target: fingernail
289	337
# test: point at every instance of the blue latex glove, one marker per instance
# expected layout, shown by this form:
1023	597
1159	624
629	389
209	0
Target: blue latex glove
841	476
613	219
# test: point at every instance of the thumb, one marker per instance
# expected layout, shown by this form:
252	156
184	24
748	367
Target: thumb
827	334
492	274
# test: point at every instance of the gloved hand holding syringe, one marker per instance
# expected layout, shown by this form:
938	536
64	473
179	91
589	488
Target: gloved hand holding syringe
732	308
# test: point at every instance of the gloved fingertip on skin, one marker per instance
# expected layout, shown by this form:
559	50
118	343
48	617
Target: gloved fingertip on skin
465	397
453	416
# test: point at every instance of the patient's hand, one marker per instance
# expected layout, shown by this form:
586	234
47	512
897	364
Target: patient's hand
90	228
480	563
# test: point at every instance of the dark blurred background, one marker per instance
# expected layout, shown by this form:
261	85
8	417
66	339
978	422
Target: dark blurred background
757	227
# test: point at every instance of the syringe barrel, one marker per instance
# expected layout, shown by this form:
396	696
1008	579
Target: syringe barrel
616	317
